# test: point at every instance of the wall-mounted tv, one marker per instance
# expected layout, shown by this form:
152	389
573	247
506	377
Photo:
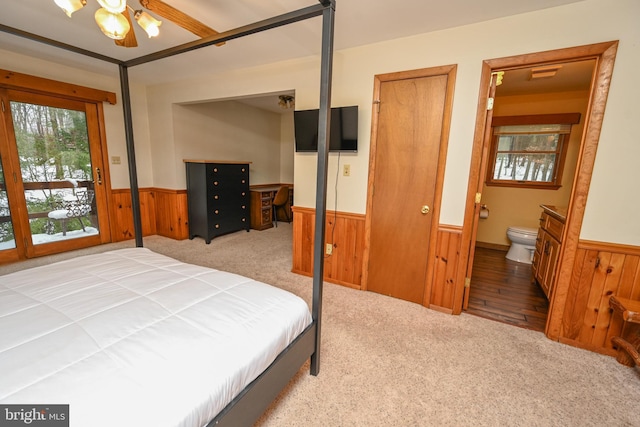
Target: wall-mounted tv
343	135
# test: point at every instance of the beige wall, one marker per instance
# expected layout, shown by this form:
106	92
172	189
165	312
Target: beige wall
230	130
287	147
521	207
611	215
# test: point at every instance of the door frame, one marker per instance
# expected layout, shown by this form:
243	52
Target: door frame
93	100
604	54
450	72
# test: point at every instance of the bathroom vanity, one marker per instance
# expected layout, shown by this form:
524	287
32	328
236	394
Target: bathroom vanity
548	243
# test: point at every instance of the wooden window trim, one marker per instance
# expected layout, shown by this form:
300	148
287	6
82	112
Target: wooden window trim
27	83
538	119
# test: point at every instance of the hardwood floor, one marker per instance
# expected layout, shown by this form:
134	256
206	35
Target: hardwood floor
505	291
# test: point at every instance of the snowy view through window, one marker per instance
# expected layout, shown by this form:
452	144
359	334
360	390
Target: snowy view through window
526	157
528	154
55	166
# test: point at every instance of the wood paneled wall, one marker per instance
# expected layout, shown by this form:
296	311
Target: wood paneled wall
345	265
600	270
171	213
345	231
445	272
163	212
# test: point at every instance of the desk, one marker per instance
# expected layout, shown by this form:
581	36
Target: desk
262	209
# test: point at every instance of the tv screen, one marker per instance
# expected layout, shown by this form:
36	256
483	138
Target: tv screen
343	135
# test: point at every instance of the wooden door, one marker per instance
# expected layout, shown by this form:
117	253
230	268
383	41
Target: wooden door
404	182
52	151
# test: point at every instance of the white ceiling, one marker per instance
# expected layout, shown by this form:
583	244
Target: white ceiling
358	22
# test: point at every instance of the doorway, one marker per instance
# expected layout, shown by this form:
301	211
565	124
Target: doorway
55	196
524	166
603	55
409	140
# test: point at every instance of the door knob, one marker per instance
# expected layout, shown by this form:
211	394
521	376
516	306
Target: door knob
425	209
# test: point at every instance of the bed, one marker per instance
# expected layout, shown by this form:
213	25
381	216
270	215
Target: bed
154	340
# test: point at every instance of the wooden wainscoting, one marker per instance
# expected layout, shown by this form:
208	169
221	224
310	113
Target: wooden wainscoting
171	213
163	212
441	294
345	231
345	265
122	220
599	271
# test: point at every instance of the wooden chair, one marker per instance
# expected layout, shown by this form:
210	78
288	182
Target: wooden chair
628	343
280	201
77	206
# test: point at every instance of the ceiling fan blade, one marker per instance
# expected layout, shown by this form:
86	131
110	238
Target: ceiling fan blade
179	18
130	39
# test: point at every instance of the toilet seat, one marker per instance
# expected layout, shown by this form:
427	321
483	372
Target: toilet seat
526	231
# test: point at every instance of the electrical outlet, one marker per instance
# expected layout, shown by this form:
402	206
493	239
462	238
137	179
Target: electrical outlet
346	170
329	248
115	160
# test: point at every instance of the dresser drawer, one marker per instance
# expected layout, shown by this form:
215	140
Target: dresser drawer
266	216
226	171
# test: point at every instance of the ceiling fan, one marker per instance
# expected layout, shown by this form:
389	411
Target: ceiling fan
114	19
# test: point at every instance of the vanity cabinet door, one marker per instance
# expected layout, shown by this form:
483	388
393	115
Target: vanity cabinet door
546	260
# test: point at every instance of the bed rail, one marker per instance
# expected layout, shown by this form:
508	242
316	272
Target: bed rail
254	399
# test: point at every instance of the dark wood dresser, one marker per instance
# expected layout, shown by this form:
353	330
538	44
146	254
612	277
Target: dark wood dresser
218	197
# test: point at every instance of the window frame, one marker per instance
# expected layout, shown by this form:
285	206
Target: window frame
538	119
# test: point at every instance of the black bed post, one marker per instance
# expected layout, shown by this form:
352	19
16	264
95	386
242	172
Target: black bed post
131	154
324	124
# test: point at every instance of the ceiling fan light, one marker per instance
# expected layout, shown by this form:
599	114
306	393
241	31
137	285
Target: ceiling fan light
113	25
286	101
148	23
114	6
70	6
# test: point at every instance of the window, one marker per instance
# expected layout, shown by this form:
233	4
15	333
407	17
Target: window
529	151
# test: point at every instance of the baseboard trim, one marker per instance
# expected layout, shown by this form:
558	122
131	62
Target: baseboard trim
494	246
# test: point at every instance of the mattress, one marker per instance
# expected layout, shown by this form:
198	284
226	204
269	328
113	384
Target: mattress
134	338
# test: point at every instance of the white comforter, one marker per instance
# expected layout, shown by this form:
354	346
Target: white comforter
134	338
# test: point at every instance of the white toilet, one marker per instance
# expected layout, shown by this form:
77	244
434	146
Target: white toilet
523	243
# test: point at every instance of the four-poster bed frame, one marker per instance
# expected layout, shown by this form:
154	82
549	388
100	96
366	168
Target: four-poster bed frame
247	407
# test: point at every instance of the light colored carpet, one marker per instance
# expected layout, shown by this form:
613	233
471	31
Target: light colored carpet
388	362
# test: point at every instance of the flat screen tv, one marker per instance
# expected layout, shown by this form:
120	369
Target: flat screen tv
343	135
